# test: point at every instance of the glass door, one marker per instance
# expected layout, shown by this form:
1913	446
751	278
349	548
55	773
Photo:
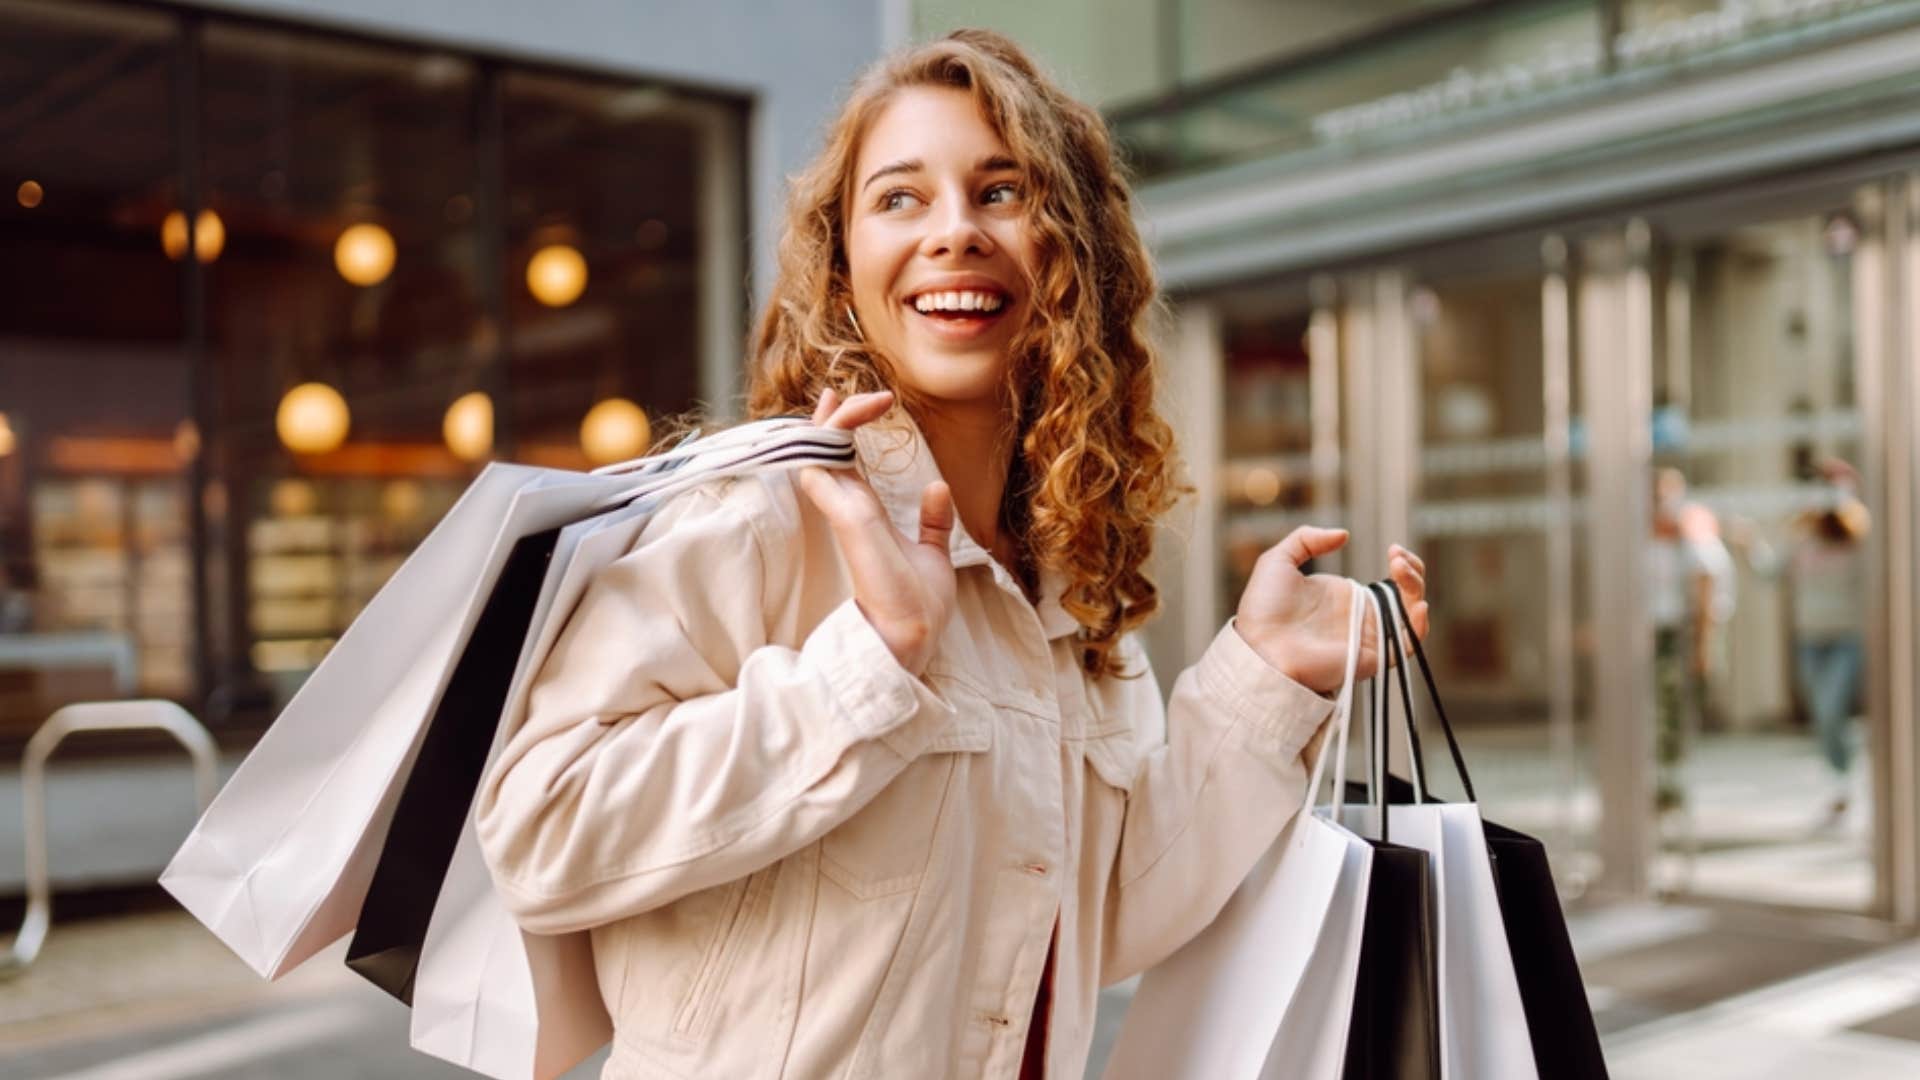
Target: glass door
1760	561
1492	512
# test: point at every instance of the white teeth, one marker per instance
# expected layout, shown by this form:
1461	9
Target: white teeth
958	301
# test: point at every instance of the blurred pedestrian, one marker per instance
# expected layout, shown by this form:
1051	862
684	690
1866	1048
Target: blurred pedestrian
1690	584
867	773
1826	571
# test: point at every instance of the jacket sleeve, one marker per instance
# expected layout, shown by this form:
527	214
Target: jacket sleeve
669	746
1206	802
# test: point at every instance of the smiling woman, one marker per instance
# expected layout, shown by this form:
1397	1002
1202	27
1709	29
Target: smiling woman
869	767
941	249
960	168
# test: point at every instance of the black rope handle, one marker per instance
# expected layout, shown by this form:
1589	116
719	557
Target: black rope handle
1433	693
1392	647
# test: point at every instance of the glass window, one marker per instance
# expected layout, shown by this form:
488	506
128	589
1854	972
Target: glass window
608	192
1402	86
94	573
1762	525
1101	50
345	315
404	263
1223	36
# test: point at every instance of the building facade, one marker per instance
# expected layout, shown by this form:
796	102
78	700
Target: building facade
1490	278
280	277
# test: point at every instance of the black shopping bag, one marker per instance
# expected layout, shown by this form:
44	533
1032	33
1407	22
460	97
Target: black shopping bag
444	777
1394	1033
1566	1044
1395	1030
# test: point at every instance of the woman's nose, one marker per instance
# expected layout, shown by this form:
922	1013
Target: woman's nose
955	228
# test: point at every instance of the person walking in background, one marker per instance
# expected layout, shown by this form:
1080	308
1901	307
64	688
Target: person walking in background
1826	571
1690	596
867	773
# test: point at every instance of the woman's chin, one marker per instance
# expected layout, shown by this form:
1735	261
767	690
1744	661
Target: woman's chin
956	378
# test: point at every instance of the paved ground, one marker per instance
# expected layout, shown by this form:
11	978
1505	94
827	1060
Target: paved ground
1678	992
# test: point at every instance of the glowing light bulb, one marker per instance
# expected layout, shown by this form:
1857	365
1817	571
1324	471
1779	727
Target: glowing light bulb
209	235
364	254
312	419
557	275
614	430
468	426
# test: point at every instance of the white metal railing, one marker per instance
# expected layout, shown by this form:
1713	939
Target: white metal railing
142	715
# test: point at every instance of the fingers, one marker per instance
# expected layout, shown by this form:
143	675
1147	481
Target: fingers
936	515
833	412
1409	576
1310	542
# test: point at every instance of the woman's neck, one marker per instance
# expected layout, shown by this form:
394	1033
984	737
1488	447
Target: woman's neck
969	447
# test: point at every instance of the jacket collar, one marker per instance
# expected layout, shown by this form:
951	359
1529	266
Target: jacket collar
895	459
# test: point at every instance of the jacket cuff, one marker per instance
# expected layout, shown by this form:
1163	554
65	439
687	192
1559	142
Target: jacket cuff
870	690
1253	692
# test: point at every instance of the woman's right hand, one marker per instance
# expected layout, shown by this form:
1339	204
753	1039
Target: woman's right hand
903	586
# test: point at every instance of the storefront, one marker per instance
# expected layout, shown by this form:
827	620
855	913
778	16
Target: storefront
1499	282
279	279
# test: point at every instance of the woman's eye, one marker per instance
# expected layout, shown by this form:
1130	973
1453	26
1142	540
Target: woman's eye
1002	193
897	200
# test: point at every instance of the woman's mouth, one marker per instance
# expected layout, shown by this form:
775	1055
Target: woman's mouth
960	314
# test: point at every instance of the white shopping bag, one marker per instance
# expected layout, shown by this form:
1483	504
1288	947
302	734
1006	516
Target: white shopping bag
1483	1030
279	864
1267	988
487	995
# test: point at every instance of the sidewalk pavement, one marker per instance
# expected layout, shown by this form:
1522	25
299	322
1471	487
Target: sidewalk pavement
1678	992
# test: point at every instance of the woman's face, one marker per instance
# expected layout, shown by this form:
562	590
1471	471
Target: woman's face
939	247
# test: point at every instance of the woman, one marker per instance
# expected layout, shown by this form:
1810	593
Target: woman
865	774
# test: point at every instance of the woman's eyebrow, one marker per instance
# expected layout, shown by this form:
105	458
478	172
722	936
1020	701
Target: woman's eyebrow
908	166
994	164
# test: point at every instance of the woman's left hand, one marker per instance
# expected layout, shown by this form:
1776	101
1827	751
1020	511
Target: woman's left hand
1298	622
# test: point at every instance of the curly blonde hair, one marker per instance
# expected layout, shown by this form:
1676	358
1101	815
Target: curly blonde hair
1095	463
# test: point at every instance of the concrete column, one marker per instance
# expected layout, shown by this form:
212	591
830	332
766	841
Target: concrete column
1614	322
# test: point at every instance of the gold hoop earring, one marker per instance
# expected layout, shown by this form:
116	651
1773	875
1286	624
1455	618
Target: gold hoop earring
856	322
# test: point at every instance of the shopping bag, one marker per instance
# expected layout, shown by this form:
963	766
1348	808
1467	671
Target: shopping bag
1396	1031
1478	997
1523	928
487	995
1267	988
280	863
419	845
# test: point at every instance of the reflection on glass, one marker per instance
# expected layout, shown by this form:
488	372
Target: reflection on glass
605	240
344	317
1394	88
1760	462
1485	63
1267	484
1224	36
94	571
1481	520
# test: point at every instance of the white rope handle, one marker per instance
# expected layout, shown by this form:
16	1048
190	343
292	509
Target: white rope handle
791	447
753	431
1342	709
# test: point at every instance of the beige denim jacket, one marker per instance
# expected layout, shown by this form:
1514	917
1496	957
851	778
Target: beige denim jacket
799	860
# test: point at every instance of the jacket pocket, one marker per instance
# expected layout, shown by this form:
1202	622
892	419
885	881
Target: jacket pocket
883	849
740	905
